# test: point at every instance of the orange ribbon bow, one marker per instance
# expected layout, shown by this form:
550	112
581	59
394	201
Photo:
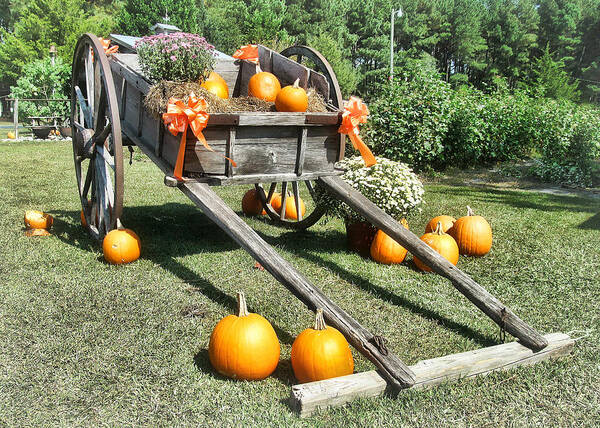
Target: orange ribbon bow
178	117
355	112
108	50
247	52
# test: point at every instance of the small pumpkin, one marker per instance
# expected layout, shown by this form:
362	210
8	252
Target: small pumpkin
386	250
290	206
321	353
10	135
442	243
35	219
292	98
473	234
121	246
244	346
251	204
264	85
36	232
447	222
217	77
216	87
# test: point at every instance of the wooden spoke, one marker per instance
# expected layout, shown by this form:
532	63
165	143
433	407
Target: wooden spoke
83	105
271	191
311	189
283	200
297	199
88	180
105	154
103	135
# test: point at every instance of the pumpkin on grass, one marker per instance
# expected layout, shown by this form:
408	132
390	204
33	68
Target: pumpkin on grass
446	220
251	204
386	250
10	135
321	353
291	212
442	243
244	346
292	98
35	219
264	85
121	246
473	234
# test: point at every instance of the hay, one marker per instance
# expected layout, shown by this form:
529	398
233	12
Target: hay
158	96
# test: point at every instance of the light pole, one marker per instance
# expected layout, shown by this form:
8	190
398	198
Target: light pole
398	13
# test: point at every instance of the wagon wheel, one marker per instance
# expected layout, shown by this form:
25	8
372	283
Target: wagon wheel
97	147
334	100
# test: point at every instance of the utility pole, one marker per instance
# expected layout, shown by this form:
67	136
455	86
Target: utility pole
395	13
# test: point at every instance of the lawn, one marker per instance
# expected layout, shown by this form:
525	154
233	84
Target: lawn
86	343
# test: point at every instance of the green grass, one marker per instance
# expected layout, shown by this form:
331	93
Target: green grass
86	343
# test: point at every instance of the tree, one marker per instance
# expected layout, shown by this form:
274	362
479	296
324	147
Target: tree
45	22
136	17
551	80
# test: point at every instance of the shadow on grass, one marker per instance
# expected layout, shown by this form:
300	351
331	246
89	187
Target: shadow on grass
523	199
336	242
591	223
167	231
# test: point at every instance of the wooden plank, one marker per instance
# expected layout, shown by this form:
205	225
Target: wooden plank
228	69
310	397
222	180
229	152
393	369
265	59
287	71
126	65
247	70
284	195
301	152
141	111
275	118
487	303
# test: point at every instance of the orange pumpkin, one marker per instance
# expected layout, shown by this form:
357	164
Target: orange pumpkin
36	232
264	85
290	206
447	222
321	353
216	87
386	250
217	77
121	246
473	234
442	243
251	204
244	346
292	98
35	219
10	135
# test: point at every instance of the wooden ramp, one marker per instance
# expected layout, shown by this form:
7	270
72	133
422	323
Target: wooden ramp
310	397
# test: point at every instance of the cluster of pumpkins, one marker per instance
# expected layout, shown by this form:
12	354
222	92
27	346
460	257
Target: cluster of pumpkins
252	206
266	86
37	223
470	235
245	346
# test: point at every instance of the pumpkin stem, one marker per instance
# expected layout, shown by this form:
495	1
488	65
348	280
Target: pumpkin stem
258	69
296	83
119	224
438	229
242	308
319	320
470	211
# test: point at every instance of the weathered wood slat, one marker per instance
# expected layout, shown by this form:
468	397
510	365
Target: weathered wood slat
487	303
229	152
222	180
396	373
301	152
284	195
310	397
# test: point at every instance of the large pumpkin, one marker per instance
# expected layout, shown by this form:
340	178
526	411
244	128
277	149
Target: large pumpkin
386	250
442	243
446	220
292	98
244	346
321	353
290	206
121	246
473	234
264	85
35	219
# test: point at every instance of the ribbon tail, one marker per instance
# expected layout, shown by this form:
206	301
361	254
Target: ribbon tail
178	171
364	151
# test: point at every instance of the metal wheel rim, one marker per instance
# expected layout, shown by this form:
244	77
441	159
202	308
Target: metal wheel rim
97	141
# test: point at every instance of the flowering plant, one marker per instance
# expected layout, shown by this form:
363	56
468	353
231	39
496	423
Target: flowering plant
176	56
391	185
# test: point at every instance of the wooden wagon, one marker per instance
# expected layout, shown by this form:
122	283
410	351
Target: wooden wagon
290	150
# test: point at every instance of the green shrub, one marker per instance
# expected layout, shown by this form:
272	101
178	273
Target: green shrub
409	121
42	80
